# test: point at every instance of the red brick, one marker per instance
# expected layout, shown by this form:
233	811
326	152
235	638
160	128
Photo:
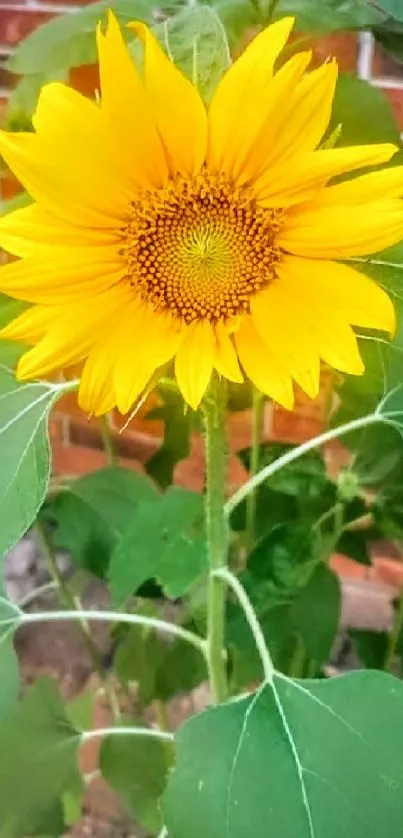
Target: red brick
388	571
15	24
384	65
348	568
395	97
342	46
77	460
85	79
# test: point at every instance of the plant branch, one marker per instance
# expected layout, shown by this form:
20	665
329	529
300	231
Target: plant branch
295	454
87	735
68	600
108	441
112	617
216	532
257	426
253	622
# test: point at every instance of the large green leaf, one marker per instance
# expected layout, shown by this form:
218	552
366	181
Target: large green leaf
315	613
392	8
163	539
322	16
195	39
38	760
161	669
137	769
91	515
52	49
178	425
296	758
24	453
9	669
364	113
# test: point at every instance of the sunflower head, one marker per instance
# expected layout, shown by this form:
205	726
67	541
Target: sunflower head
162	230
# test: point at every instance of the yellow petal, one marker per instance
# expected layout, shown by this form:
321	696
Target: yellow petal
148	340
387	183
178	109
340	232
328	329
237	111
96	393
286	337
72	332
67	165
57	275
301	177
127	110
194	362
31	325
262	367
303	119
25	231
225	358
345	291
251	161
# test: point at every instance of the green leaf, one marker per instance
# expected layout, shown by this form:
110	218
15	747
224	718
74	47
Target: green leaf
322	16
66	41
9	309
195	39
161	669
371	647
38	756
137	769
297	758
364	113
281	564
246	666
392	8
315	613
24	453
163	539
91	515
178	425
9	669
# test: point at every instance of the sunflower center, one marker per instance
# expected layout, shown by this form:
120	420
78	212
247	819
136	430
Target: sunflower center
201	247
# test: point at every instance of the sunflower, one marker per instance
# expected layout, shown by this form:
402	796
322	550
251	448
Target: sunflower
164	230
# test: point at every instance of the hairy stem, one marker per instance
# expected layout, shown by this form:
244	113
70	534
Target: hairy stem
217	533
394	635
257	426
108	441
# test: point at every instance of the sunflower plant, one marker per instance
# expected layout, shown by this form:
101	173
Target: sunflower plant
205	229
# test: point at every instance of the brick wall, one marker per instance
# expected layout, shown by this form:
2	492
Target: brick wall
76	441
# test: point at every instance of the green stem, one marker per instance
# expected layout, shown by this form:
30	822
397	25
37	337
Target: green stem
108	441
271	8
257	427
394	636
295	453
297	662
126	731
216	532
253	622
22	618
68	600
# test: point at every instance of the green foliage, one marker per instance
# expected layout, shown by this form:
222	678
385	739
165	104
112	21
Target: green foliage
178	425
164	539
137	769
196	40
38	760
364	113
294	758
302	758
24	452
90	516
161	669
